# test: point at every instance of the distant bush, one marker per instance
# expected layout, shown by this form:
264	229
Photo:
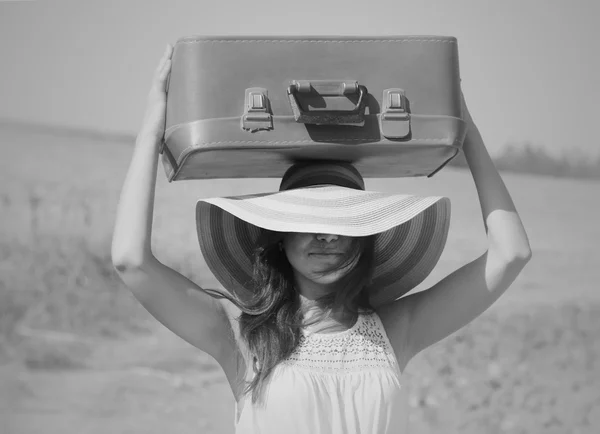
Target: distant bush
528	158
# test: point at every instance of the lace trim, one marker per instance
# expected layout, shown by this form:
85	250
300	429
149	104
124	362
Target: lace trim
364	346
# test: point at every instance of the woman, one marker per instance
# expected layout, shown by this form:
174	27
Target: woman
311	333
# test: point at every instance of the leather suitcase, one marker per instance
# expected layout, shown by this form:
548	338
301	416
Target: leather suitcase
248	107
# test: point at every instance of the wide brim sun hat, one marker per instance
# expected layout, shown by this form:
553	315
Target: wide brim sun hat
327	198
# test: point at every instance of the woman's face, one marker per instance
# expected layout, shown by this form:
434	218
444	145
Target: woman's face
311	255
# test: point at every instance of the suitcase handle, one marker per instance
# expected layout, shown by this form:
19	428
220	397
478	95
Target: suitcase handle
337	88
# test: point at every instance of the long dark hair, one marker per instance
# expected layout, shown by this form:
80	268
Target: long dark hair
271	319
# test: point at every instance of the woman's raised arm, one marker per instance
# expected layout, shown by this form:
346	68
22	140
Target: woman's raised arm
133	226
178	303
424	318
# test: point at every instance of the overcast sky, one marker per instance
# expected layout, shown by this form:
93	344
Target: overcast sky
529	68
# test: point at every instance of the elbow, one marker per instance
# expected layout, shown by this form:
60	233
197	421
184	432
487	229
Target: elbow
125	262
526	255
122	265
511	250
128	254
519	258
521	253
510	261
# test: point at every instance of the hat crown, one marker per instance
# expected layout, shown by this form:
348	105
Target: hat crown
307	174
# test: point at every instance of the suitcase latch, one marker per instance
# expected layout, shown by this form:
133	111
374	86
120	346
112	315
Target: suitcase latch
395	117
257	111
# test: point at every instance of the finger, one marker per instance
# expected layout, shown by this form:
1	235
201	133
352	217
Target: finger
162	76
159	85
162	72
166	56
164	69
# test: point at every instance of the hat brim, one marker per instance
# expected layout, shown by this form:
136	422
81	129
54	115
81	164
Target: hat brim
411	231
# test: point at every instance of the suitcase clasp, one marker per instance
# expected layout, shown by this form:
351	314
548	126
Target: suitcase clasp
257	112
395	117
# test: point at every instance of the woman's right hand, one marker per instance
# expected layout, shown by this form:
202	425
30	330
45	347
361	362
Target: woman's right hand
153	126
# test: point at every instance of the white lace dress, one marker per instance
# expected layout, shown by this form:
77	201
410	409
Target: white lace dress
347	383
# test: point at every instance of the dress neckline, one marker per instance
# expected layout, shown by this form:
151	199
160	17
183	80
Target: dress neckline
335	334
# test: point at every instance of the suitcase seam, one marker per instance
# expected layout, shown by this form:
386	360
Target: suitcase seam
171	129
186	152
323	41
436	139
286	142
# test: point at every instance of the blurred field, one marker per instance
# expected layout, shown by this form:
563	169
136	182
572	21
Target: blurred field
78	354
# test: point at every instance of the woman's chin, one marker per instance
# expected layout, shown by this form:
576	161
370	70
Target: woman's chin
327	279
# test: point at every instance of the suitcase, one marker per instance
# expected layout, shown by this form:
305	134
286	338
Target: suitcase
249	107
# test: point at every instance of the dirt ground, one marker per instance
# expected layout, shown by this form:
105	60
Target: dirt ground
151	384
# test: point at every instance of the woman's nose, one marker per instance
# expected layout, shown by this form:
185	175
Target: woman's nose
327	237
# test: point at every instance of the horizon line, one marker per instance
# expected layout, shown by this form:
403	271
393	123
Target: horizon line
125	136
57	129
